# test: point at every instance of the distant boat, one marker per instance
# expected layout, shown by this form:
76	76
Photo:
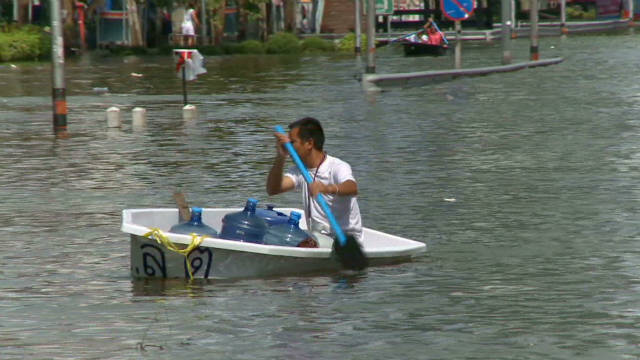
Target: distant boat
224	259
412	48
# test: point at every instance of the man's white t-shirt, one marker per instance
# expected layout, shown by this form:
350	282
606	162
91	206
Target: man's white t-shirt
344	208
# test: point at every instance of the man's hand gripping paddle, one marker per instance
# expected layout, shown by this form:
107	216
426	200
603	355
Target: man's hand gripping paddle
346	248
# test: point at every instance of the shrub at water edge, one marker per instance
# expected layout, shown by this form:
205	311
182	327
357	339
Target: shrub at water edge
283	43
348	43
316	45
251	47
24	43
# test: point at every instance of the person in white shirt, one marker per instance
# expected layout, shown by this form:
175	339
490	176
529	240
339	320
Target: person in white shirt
188	27
332	177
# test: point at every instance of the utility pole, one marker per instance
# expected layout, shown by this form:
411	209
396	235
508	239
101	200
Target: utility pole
371	37
458	49
358	28
57	57
506	32
535	55
563	17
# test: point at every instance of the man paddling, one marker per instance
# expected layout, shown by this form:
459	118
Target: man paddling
332	177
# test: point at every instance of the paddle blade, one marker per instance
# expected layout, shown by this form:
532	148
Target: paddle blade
350	255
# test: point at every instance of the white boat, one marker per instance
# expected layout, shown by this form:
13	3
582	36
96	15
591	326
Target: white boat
216	258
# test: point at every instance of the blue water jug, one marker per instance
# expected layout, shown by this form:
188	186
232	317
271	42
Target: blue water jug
288	234
194	225
271	216
244	225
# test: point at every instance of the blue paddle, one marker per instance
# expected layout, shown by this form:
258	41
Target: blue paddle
346	248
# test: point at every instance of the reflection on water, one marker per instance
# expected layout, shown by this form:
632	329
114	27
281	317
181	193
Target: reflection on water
523	185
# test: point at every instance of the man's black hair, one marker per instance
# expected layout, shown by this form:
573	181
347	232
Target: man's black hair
310	128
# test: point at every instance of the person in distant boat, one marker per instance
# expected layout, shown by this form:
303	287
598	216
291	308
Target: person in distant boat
433	36
332	177
189	23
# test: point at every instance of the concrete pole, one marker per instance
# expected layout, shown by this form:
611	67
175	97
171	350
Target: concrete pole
358	28
458	50
513	19
535	56
563	17
57	62
506	32
371	37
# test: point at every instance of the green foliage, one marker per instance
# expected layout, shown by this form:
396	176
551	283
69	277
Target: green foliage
316	45
578	12
348	43
24	43
283	43
251	47
211	50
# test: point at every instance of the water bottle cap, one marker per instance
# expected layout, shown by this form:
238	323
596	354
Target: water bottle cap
295	215
196	209
252	201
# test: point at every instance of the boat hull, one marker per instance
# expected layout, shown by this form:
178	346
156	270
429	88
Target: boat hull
420	49
228	259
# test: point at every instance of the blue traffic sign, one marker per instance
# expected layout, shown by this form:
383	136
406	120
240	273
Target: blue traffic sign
458	9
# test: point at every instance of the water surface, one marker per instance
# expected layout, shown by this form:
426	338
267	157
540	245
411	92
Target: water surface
523	185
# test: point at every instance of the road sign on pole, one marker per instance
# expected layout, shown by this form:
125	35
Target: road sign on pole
458	9
384	7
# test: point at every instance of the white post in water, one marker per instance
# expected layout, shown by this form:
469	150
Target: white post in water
189	113
114	118
535	55
139	117
57	62
371	37
358	28
506	32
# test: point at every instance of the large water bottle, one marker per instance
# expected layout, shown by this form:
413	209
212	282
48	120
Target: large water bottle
288	234
271	216
194	225
244	225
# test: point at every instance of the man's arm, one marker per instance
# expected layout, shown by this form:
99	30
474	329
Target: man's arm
347	188
276	182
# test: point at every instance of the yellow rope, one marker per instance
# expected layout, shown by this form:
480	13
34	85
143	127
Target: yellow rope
157	235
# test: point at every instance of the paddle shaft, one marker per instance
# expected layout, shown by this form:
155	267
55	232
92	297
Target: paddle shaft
443	37
307	177
405	36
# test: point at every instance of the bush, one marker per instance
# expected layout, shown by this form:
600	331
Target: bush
251	47
578	12
211	50
316	44
25	43
283	43
348	43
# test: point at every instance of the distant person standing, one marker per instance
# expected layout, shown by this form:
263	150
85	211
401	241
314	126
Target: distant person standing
189	26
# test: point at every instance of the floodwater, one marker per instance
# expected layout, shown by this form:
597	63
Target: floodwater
523	185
